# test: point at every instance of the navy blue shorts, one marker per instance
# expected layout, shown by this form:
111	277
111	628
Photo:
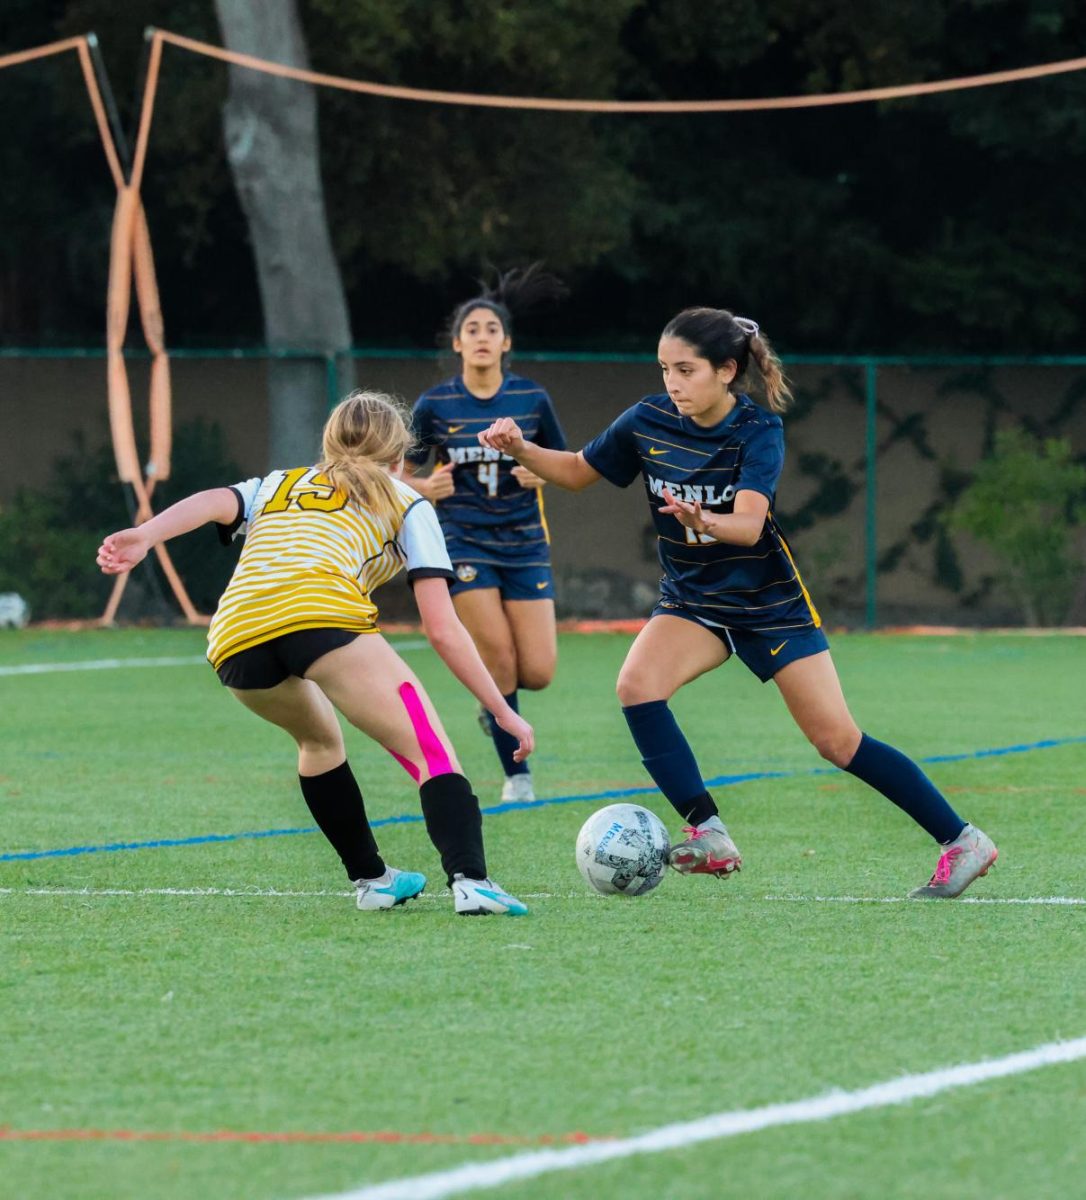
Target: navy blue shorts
267	665
532	582
764	653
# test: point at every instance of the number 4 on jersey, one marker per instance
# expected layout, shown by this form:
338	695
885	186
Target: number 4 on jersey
488	477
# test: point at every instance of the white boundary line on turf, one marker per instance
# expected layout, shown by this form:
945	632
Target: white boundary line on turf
258	893
478	1176
113	664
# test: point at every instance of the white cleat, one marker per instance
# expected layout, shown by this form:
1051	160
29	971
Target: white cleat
482	897
394	887
518	789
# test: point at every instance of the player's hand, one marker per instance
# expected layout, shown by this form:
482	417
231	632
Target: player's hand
516	726
689	515
526	478
504	435
440	484
122	551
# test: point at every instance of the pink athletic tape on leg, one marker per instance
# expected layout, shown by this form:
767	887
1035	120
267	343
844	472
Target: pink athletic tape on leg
437	761
407	765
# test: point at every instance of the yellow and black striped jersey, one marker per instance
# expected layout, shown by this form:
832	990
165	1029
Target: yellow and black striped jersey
312	559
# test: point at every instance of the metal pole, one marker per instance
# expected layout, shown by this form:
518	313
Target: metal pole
331	380
871	552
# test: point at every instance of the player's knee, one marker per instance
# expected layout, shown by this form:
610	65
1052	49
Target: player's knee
836	746
502	665
535	677
635	687
322	751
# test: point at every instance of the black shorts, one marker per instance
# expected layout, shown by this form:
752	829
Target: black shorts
267	665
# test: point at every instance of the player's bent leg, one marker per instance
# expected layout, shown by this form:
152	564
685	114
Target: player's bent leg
483	616
379	694
812	691
486	620
535	640
669	652
304	712
330	789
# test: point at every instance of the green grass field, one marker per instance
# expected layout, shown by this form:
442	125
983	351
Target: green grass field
185	1015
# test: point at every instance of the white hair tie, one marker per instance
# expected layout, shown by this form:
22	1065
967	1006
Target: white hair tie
749	327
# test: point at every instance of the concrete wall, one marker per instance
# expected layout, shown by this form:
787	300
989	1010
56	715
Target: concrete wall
930	421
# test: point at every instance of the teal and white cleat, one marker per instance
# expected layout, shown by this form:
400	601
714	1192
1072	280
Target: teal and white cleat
966	858
481	897
392	888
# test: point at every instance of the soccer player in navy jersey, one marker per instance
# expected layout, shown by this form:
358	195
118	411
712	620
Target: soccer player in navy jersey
709	459
491	509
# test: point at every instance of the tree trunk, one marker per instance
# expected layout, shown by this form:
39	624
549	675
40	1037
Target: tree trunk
272	145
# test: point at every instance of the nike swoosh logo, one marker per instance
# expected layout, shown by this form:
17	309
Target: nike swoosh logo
655	453
774	653
542	585
455	428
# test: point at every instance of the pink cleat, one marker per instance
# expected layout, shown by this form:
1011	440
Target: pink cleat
706	852
966	858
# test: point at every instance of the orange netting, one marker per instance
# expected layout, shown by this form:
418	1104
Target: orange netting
479	100
130	258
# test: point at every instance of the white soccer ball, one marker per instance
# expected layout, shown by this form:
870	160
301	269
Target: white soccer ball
622	850
14	611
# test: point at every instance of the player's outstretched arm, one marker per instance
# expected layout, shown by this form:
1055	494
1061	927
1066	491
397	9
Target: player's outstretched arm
121	551
445	632
566	468
741	527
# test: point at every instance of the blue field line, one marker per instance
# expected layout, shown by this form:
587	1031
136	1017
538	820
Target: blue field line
520	805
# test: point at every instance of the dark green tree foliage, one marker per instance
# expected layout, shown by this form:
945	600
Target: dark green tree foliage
939	223
49	536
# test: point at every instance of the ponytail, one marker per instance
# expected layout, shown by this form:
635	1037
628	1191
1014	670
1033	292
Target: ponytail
778	394
512	294
366	434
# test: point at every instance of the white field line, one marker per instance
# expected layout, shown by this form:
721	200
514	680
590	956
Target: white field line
478	1176
113	664
276	893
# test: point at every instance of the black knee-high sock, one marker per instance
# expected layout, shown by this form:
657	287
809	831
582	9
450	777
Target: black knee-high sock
335	800
455	825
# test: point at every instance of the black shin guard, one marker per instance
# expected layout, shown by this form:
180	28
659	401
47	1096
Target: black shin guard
335	800
455	825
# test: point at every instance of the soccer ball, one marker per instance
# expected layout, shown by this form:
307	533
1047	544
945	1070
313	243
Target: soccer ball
14	611
622	850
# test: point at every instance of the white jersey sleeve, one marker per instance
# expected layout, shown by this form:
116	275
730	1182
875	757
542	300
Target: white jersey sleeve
246	493
422	544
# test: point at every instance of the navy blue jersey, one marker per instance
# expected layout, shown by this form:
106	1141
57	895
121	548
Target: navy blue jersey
489	507
748	587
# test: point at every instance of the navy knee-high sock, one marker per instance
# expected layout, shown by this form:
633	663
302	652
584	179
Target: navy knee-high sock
505	743
899	779
669	760
335	800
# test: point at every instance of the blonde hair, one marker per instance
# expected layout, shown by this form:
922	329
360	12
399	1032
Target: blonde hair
365	434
